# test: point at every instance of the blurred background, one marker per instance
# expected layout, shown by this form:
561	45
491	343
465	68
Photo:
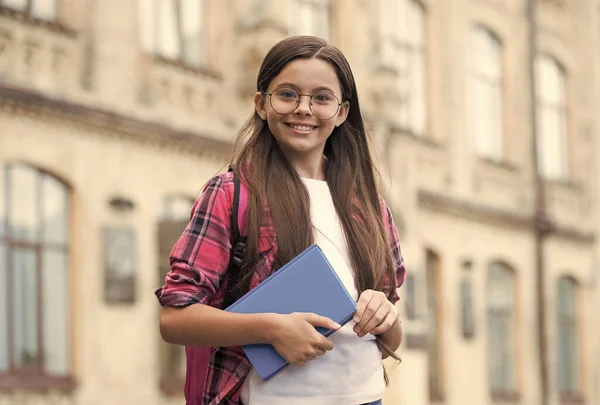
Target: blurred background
484	117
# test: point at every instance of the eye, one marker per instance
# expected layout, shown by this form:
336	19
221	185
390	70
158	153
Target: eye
323	98
287	93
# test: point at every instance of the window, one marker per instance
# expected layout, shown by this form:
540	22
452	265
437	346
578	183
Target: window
173	216
34	274
484	93
173	30
501	325
432	268
551	117
404	50
567	342
310	17
43	9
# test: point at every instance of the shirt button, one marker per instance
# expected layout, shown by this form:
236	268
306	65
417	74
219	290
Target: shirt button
236	375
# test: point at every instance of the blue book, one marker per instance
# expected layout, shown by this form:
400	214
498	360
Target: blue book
307	283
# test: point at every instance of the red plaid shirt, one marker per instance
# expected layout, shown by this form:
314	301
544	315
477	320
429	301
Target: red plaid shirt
199	263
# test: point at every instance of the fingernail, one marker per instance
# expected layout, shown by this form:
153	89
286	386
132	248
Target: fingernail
356	329
337	326
356	318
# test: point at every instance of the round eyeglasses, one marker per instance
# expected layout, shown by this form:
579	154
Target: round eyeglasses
323	105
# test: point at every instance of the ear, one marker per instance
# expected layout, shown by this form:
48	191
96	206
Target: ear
342	114
259	105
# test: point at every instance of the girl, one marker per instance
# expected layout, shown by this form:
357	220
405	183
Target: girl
306	163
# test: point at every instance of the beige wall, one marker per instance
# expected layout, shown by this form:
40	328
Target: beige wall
449	200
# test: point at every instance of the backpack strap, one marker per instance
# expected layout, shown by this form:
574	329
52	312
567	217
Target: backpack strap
239	228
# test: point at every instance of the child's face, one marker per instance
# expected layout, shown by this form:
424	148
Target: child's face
298	131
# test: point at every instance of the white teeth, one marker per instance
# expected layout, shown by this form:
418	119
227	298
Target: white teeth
302	127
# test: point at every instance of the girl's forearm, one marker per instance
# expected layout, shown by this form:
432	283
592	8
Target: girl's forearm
392	337
205	326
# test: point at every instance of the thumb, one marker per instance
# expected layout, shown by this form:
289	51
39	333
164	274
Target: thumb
322	321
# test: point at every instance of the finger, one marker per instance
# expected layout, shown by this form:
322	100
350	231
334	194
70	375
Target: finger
378	317
368	313
323	343
385	325
361	305
322	321
319	352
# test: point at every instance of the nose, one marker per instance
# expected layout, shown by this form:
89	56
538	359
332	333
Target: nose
303	106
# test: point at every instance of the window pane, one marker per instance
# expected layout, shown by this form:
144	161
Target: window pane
500	296
323	20
192	13
23	187
3	309
147	24
481	116
551	142
310	17
495	333
25	300
550	80
168	37
55	294
416	23
15	4
304	18
566	297
54	210
45	9
419	105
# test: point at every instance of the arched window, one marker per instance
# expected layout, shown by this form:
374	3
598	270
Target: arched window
501	329
567	336
551	113
34	274
485	92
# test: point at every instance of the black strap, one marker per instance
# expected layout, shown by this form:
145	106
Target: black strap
239	245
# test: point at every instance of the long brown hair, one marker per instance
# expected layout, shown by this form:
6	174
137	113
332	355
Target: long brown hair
349	172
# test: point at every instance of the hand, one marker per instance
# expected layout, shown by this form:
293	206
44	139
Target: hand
375	314
296	339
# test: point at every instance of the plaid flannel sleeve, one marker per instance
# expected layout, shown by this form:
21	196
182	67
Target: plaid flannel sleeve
200	258
394	240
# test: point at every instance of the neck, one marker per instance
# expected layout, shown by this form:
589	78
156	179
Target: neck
311	166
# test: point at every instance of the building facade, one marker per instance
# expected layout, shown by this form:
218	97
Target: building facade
113	115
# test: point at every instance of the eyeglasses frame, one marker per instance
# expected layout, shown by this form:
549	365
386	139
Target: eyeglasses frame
298	103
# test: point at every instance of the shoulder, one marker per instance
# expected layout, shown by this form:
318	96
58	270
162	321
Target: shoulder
385	208
221	184
217	192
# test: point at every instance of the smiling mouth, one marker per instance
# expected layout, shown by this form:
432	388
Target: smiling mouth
302	128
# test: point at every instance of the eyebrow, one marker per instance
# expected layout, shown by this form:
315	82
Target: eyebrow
316	89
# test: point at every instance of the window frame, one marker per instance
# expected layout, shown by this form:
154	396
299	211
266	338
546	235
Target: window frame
412	50
495	86
571	394
316	7
560	110
29	16
508	310
35	377
155	28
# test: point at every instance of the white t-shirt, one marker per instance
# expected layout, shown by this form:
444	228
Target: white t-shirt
351	373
